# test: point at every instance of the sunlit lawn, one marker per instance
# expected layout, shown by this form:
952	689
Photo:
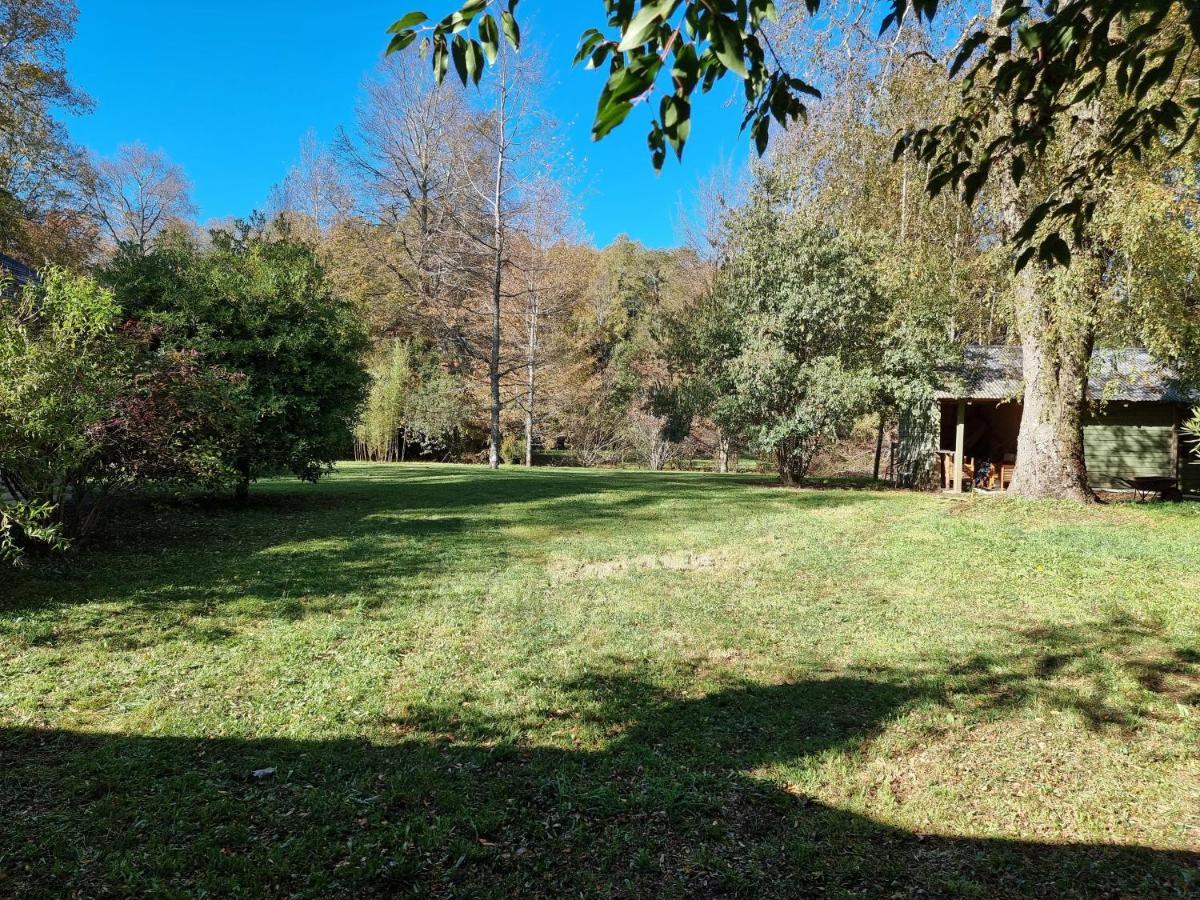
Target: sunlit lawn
606	683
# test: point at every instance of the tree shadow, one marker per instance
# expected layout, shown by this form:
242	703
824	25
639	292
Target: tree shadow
452	802
366	537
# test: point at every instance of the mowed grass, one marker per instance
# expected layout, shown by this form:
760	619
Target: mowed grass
563	682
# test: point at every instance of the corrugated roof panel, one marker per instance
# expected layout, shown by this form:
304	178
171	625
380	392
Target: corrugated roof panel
1129	375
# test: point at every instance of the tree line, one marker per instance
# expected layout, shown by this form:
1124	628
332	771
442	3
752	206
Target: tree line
421	285
1066	129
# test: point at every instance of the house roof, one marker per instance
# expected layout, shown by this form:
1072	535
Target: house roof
16	271
1130	375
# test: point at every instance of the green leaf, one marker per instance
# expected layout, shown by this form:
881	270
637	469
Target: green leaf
407	21
761	10
508	23
686	68
489	38
761	133
458	49
644	24
400	41
658	150
1010	12
599	56
474	61
609	116
676	114
461	20
633	80
587	43
727	43
441	59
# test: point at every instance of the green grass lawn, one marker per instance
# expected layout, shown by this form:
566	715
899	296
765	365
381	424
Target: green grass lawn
603	683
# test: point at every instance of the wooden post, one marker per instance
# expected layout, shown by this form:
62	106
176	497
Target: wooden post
879	447
1176	470
960	435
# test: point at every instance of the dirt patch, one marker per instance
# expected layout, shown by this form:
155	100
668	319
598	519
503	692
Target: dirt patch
685	561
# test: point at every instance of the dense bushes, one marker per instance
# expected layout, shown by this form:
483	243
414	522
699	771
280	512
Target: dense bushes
259	305
91	403
412	400
787	353
184	368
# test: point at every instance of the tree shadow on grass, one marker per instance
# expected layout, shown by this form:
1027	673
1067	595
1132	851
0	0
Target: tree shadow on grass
366	537
448	802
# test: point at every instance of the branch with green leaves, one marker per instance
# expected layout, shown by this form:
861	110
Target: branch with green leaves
687	45
469	36
1038	62
1038	68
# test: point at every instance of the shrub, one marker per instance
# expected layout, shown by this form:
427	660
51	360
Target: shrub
260	306
512	449
26	524
412	399
1192	428
62	369
796	335
89	404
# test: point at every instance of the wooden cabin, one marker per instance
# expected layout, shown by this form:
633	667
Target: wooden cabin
1132	431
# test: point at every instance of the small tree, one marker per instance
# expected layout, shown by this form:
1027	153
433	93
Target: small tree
260	305
794	329
412	400
60	375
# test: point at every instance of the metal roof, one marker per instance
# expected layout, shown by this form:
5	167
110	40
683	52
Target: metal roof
1129	375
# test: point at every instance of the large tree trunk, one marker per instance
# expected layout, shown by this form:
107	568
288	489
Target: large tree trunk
1057	334
1055	360
878	448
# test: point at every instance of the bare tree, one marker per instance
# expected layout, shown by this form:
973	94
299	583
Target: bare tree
314	197
510	140
138	193
401	162
551	225
446	185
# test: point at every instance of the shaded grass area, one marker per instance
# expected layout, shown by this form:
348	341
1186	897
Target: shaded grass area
607	684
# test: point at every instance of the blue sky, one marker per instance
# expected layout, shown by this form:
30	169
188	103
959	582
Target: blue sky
228	89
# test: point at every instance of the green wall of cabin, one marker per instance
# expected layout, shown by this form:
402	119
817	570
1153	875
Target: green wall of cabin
1125	441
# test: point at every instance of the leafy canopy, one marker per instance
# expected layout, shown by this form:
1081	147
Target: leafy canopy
1035	62
793	333
90	403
